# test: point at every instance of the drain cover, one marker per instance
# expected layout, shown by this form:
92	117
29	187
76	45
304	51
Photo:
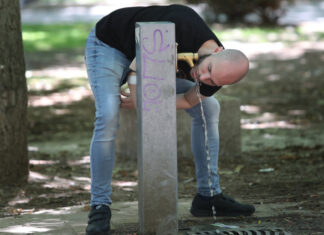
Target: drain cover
245	231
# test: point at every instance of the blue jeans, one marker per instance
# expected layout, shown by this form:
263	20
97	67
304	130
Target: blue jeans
105	67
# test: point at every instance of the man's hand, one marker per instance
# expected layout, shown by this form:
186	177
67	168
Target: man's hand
126	100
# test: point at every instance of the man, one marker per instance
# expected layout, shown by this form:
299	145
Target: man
110	48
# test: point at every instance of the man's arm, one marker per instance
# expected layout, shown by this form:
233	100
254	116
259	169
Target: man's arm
128	100
189	99
132	65
209	47
183	101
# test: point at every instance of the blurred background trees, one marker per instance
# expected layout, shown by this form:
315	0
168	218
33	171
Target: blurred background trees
260	12
265	12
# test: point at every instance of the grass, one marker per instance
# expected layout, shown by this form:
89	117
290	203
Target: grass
267	34
46	85
66	2
73	36
247	34
55	36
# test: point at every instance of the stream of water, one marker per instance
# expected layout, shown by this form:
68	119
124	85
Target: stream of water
206	146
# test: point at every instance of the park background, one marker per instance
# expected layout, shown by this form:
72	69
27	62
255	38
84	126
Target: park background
282	101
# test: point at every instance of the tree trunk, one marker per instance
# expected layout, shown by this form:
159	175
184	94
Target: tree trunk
13	96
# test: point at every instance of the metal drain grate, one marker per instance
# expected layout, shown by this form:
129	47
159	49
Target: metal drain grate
248	231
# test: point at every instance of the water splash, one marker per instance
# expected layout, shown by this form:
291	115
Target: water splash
206	145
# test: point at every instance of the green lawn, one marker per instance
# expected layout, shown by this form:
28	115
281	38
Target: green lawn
273	34
54	37
72	36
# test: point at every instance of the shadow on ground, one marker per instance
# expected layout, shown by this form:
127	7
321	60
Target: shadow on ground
282	114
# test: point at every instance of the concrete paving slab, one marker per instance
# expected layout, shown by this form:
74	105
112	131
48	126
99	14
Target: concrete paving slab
73	220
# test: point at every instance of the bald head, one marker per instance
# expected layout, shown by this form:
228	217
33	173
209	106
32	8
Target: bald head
222	68
230	66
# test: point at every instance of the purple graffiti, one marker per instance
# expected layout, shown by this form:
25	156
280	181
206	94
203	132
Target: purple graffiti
151	89
159	32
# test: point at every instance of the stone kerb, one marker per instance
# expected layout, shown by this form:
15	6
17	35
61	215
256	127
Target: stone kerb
229	131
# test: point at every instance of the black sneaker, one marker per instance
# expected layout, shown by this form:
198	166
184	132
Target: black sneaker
99	220
224	206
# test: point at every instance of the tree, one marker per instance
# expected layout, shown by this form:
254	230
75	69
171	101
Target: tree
13	96
268	11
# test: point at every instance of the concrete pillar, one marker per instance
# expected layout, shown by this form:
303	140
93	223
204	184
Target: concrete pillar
229	131
157	137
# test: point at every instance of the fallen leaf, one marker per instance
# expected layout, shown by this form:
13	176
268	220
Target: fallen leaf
266	170
238	168
86	208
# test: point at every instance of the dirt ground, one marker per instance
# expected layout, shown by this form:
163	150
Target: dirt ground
282	115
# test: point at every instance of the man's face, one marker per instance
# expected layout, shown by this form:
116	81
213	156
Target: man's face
205	71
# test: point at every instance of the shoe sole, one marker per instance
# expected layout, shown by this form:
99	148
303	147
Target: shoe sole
204	213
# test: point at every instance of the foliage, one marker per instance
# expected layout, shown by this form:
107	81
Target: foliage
269	11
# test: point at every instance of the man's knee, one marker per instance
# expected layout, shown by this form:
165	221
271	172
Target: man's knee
211	106
107	121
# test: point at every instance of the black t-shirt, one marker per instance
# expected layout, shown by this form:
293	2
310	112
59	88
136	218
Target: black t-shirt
118	30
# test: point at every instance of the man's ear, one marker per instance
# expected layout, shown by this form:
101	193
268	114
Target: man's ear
207	47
